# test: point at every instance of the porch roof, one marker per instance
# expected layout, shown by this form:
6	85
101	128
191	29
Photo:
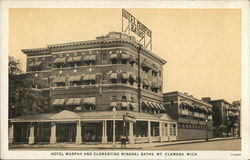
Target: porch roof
94	115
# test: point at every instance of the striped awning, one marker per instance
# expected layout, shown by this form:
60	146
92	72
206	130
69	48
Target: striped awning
134	105
187	104
89	101
125	76
113	56
154	85
58	102
132	76
89	58
152	105
145	65
35	64
144	102
145	82
89	77
124	56
113	76
113	104
161	106
210	111
60	60
58	79
74	59
132	59
204	109
70	102
74	78
124	104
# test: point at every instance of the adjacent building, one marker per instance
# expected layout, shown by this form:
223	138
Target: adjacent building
86	81
225	118
194	116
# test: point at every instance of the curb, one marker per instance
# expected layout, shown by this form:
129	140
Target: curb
199	141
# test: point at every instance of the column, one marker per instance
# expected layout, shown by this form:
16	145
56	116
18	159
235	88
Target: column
160	131
149	132
53	133
176	131
169	136
78	133
104	131
11	133
131	133
31	137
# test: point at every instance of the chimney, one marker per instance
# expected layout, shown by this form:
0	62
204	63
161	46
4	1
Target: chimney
206	99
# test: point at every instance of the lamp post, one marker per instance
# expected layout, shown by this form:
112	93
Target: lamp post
114	110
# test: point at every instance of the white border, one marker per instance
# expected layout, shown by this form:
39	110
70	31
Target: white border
245	110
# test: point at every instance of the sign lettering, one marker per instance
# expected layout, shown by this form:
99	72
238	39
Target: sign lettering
136	26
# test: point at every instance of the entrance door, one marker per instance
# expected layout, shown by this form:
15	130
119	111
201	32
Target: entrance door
66	132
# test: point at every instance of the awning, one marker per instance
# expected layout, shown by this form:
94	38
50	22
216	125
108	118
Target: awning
124	56
113	56
74	78
145	102
60	60
187	104
58	79
124	104
58	102
77	101
161	106
210	111
132	76
152	105
145	82
155	68
134	105
154	85
70	102
145	65
35	64
74	59
132	59
113	76
73	102
89	77
113	104
125	76
89	58
89	101
204	109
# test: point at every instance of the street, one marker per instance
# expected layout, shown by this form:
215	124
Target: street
234	144
230	144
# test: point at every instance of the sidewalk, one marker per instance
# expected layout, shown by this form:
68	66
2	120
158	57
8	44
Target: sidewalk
118	145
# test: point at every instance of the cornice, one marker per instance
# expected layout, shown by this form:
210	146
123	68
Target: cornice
91	43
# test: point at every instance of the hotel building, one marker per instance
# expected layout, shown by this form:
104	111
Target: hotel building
86	81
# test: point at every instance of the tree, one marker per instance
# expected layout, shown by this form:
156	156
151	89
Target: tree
23	99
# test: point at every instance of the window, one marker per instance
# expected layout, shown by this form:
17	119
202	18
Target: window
159	73
113	98
113	61
104	57
104	77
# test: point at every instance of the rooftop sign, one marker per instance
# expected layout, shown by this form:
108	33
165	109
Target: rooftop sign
137	28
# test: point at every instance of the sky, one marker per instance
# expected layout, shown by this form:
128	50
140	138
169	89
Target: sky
202	47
